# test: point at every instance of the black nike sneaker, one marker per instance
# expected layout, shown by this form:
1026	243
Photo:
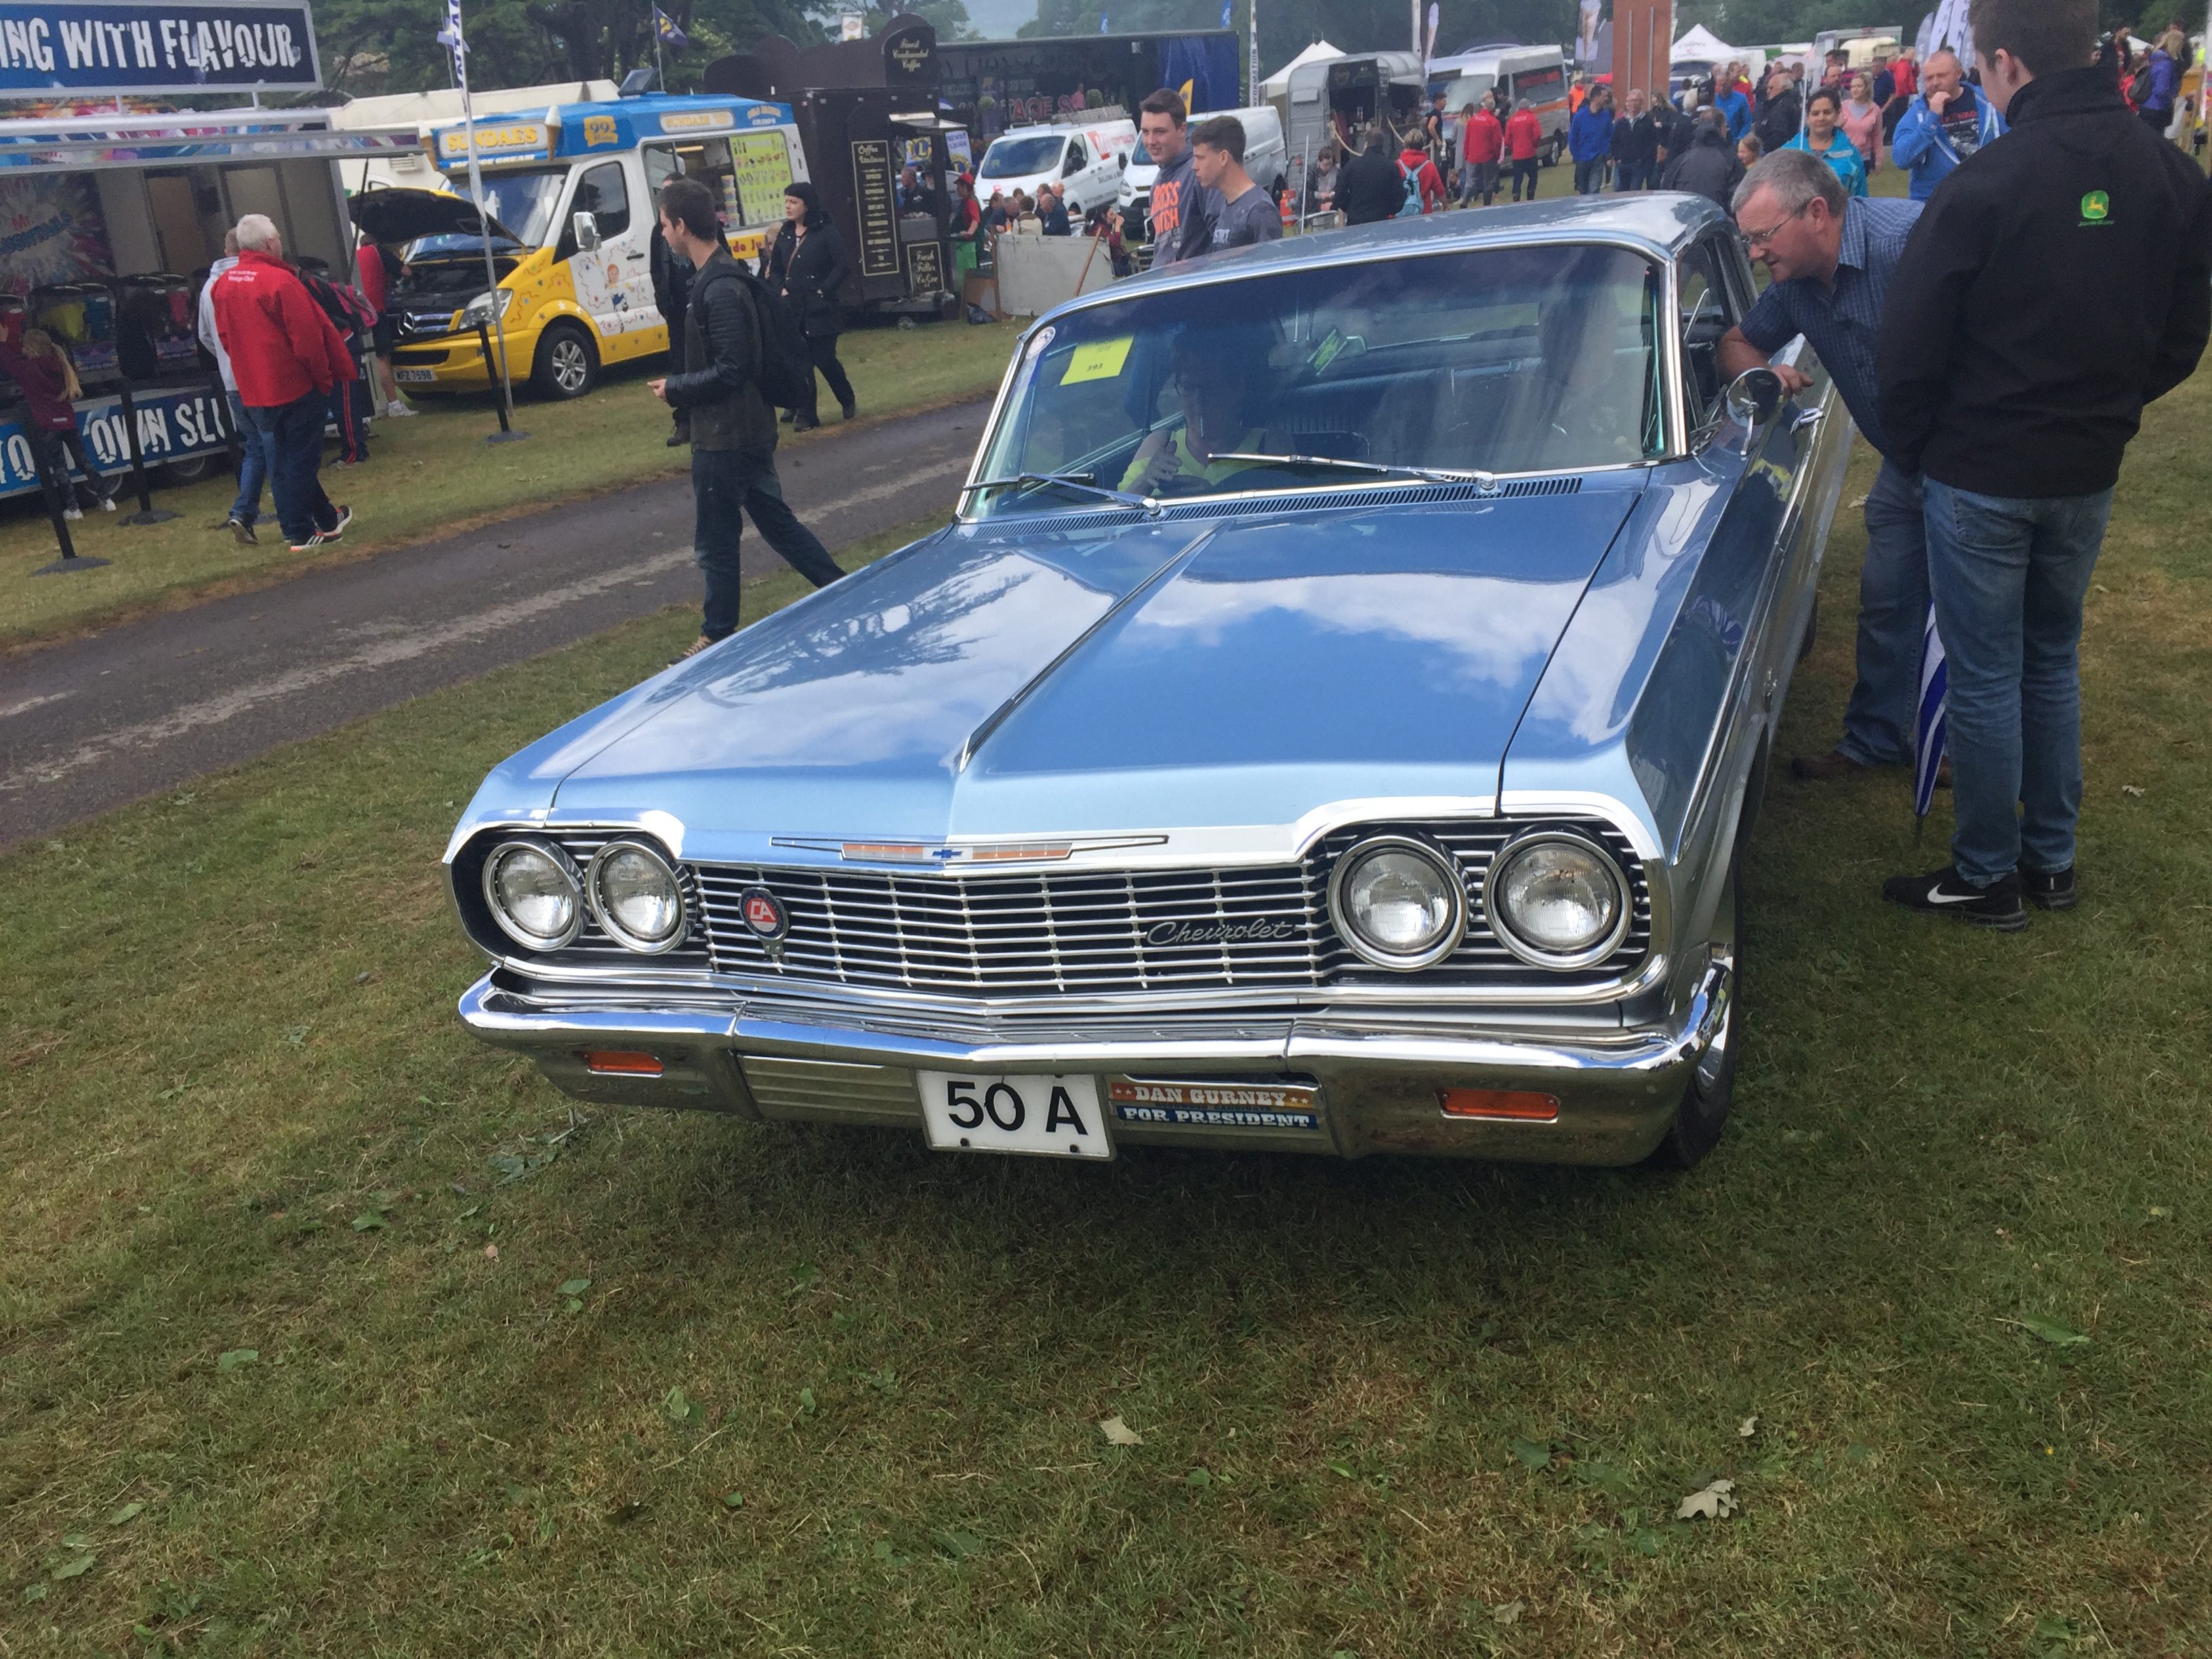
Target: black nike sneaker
1946	893
2049	889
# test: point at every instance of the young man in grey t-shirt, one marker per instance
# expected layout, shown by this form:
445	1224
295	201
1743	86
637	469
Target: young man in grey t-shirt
1243	213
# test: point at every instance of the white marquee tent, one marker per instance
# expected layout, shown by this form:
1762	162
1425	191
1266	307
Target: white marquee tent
1701	46
1278	85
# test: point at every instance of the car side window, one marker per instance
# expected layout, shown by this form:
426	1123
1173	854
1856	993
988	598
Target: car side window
1077	157
1708	311
602	193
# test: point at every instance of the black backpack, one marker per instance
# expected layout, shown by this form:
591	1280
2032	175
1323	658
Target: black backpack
785	368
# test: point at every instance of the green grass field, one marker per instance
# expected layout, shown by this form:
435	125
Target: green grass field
435	474
326	1330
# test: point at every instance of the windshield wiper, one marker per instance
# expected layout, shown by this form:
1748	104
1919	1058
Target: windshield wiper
1030	481
1332	463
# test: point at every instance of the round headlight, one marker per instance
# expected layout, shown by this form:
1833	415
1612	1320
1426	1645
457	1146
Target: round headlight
1557	900
533	893
1398	903
636	898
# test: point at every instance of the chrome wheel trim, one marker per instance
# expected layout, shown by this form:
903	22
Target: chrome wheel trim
1720	1022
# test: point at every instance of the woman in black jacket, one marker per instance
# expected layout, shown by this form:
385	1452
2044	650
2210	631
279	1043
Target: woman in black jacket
804	269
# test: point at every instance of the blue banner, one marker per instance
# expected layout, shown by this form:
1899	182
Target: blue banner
172	425
1207	64
155	46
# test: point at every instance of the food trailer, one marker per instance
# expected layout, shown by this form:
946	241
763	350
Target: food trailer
108	224
866	109
569	190
110	216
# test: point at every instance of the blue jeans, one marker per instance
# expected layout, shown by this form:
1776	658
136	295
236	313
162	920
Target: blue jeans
1893	617
1590	177
2009	575
252	464
1631	175
722	482
293	434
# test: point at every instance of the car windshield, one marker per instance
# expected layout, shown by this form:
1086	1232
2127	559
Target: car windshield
1498	359
523	202
1017	158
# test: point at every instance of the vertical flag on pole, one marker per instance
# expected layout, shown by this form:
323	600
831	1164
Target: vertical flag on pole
1931	721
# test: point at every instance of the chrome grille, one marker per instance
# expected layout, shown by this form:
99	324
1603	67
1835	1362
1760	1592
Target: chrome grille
1024	935
1049	932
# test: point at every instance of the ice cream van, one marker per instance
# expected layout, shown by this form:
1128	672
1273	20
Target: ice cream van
568	193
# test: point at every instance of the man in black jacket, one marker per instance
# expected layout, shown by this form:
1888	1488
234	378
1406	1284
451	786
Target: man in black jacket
1370	188
1709	167
1781	110
732	425
1636	142
2018	415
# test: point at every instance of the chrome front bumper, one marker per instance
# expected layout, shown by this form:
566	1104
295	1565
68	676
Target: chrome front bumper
1371	1091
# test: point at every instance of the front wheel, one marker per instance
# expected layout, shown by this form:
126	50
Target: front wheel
567	365
1703	1111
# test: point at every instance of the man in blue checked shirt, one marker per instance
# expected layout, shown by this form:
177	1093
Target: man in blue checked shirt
1832	257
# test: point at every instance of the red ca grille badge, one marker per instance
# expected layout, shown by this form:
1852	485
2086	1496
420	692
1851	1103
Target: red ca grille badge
765	915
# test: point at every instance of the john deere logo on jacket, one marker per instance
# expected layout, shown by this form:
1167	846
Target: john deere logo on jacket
2096	207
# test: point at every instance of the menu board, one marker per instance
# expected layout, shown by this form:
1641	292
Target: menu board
874	206
924	269
764	169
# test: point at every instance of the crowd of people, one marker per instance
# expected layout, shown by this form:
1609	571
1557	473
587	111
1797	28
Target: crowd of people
1950	322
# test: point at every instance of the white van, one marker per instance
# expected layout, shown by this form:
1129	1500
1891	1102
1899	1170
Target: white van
1265	157
1537	75
1081	157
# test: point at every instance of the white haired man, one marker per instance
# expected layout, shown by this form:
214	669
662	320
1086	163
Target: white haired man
287	359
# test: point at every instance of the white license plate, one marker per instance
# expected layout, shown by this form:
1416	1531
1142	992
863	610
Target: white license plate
415	376
980	1112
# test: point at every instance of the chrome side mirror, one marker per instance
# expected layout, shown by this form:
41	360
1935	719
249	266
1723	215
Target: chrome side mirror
1755	397
587	227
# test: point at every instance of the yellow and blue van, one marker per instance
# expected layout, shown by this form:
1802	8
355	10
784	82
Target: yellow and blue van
568	193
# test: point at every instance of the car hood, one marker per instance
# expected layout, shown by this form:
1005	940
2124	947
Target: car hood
1009	679
408	216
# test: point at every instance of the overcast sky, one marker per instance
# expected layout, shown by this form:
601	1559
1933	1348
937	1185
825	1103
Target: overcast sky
997	20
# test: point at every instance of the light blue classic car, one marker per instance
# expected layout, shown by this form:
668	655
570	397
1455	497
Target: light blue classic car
1331	724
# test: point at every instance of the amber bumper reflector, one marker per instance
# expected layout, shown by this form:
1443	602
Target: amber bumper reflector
1519	1108
621	1063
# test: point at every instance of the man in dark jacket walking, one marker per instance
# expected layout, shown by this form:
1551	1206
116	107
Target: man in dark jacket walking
1709	167
732	425
1636	139
2018	416
1371	188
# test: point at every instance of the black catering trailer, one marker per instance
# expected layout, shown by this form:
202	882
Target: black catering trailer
865	109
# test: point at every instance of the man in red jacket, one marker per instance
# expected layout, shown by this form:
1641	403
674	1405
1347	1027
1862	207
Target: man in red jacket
287	359
1524	137
1481	146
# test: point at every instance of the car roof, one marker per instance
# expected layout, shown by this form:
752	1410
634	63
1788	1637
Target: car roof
1661	223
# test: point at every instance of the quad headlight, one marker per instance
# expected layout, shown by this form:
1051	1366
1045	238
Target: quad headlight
1557	899
1399	902
635	897
534	894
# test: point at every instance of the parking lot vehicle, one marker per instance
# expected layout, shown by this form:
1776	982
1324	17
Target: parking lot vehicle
1332	723
1537	74
1082	157
569	191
